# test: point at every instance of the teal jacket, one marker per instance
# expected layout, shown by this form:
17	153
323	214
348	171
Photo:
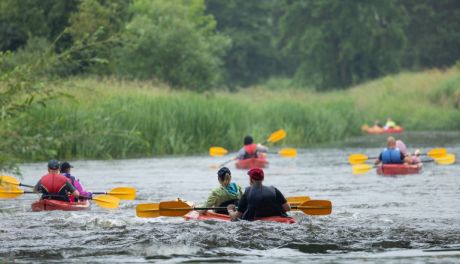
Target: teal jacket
221	195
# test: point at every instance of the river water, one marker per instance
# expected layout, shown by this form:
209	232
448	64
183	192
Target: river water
404	219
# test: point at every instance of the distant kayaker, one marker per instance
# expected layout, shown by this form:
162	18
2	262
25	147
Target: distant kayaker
391	154
408	158
390	124
54	185
228	192
259	200
251	150
377	124
65	170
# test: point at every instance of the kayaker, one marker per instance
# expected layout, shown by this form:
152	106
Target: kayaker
377	124
65	170
259	200
251	150
228	192
391	154
408	158
54	185
390	124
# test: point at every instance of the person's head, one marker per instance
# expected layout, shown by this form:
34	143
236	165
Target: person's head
248	140
224	176
53	166
256	175
65	167
391	142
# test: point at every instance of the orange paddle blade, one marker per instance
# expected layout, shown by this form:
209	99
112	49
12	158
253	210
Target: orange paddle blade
277	136
123	193
149	210
437	153
288	152
106	201
217	151
297	200
316	207
358	158
174	208
361	168
447	159
10	192
7	181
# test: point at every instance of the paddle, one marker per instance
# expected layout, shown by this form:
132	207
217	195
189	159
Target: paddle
364	168
285	152
359	158
180	208
297	200
9	180
274	137
104	201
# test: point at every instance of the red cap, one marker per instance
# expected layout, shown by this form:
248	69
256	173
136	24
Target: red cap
256	174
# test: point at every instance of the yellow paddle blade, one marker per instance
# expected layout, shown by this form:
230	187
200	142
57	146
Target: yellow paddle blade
149	210
358	158
288	152
437	153
106	201
10	193
174	208
448	159
217	151
297	200
8	181
123	193
316	207
361	168
277	136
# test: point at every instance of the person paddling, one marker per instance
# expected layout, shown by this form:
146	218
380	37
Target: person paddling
259	200
54	185
65	170
228	192
408	158
391	154
251	150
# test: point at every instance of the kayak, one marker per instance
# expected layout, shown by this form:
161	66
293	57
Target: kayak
259	162
378	130
194	215
48	205
398	169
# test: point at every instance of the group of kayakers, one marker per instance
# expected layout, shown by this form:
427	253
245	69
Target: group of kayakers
60	185
396	153
257	200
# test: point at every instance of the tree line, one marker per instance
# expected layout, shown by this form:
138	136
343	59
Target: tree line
212	44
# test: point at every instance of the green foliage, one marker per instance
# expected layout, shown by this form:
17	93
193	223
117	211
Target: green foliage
174	42
449	93
359	41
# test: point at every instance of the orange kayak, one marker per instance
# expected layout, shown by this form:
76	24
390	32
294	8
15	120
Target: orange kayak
378	130
194	215
48	205
259	162
399	169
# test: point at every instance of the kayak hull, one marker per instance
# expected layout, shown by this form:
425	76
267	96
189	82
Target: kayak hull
194	215
51	205
377	130
398	169
260	162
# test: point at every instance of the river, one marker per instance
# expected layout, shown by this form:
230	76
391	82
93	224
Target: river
404	219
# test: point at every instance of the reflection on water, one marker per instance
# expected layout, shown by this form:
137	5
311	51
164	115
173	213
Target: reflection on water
412	218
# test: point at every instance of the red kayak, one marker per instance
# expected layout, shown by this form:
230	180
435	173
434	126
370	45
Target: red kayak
398	169
48	205
194	215
259	162
378	130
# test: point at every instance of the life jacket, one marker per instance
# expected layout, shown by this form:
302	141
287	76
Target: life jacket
262	202
391	156
53	186
250	151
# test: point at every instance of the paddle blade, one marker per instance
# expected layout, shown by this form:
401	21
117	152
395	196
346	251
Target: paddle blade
354	159
437	153
123	193
316	207
288	152
448	159
277	136
7	181
10	193
149	210
297	200
174	208
361	168
106	201
217	151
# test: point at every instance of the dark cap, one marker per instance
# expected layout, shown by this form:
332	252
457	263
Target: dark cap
53	165
256	174
248	140
65	165
222	172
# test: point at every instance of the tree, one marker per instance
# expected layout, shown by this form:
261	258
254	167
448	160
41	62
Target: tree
340	43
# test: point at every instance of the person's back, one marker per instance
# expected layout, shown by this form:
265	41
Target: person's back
391	154
65	171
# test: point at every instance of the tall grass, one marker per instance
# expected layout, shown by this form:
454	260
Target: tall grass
108	119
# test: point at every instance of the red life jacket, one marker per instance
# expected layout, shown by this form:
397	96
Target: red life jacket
251	151
53	183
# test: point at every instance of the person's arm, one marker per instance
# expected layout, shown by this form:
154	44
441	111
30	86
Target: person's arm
37	187
81	190
72	190
242	207
378	160
282	200
241	153
262	148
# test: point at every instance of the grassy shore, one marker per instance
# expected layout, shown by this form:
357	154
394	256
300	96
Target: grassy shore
116	119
